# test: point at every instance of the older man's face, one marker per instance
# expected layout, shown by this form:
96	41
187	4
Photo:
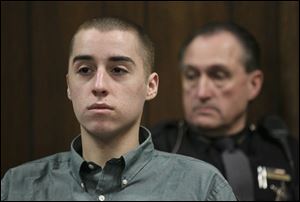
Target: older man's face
216	86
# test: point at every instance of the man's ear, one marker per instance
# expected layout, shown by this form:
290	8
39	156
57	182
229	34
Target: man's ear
68	93
152	86
255	83
68	89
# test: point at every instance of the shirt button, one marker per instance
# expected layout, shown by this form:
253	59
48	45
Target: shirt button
124	182
91	166
101	198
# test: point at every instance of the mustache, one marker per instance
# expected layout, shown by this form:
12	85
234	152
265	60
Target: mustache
210	106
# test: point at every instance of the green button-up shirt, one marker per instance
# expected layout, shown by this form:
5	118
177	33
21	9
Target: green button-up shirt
141	174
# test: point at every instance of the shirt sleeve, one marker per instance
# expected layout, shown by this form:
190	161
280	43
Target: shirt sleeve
220	190
5	186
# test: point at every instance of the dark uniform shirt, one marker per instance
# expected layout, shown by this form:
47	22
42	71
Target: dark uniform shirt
264	154
141	174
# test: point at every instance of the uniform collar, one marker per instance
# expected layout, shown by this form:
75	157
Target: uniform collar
238	138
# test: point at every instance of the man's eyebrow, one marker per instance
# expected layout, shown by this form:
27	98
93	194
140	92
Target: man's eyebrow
184	66
121	59
82	57
219	67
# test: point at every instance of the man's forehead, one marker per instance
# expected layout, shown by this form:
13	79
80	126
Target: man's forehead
219	46
93	35
97	42
218	40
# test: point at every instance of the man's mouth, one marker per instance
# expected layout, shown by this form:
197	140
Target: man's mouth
100	106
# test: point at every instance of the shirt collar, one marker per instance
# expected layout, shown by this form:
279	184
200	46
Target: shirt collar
76	157
135	160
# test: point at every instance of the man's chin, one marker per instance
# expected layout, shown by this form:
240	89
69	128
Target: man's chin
99	130
206	123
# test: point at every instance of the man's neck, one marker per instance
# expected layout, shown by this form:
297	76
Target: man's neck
100	150
222	131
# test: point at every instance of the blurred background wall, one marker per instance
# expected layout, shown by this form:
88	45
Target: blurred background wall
37	118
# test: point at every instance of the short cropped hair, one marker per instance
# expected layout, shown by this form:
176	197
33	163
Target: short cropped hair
247	40
109	24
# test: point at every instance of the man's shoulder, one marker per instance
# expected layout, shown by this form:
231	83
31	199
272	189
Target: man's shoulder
32	168
195	173
187	163
265	141
19	180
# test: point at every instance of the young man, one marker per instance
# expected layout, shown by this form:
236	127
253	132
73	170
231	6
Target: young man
109	78
220	77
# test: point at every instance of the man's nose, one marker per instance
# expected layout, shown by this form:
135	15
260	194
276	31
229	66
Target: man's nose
100	83
204	90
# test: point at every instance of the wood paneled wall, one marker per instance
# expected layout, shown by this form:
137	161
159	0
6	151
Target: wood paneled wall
37	118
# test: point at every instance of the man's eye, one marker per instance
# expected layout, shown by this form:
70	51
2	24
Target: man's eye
119	71
191	74
85	71
219	75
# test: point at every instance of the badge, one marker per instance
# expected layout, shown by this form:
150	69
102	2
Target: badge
266	173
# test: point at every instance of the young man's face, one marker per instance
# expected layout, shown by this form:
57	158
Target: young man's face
106	81
216	86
